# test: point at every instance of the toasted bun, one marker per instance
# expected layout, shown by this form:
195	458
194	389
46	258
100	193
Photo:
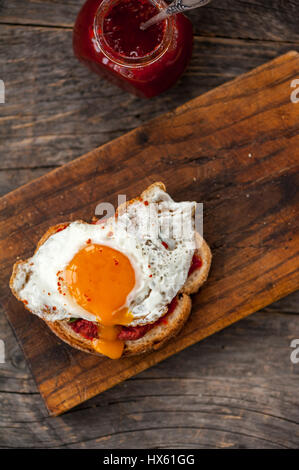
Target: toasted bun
159	334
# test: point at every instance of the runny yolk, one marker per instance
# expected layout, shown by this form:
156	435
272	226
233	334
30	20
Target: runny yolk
100	279
112	349
108	342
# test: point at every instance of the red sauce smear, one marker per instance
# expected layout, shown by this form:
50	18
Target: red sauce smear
61	228
132	333
122	28
85	328
196	263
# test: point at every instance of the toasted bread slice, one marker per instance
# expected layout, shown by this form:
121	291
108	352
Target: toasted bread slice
160	333
152	340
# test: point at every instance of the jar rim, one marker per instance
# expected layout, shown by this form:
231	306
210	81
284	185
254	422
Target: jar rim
128	61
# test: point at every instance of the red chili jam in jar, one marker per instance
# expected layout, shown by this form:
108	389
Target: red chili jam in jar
108	39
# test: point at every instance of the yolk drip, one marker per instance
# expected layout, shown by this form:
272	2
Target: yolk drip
100	279
112	349
108	342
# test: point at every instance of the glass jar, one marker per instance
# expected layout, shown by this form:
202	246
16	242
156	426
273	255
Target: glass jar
145	63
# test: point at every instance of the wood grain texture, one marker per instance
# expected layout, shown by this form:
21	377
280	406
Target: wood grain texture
273	20
236	389
235	148
56	110
238	352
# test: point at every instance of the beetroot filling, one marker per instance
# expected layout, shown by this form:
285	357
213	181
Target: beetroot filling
85	328
131	333
196	263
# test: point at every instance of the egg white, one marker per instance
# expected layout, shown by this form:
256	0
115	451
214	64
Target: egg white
161	269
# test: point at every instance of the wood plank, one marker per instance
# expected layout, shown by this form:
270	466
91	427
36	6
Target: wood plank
270	19
289	304
240	143
236	389
13	178
56	110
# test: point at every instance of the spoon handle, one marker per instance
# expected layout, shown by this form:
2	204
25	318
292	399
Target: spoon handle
177	6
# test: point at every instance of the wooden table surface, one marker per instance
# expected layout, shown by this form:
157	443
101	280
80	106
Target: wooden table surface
236	389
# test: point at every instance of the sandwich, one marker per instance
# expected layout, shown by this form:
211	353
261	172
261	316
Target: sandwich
121	286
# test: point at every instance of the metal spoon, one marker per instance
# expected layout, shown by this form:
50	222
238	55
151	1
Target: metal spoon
177	6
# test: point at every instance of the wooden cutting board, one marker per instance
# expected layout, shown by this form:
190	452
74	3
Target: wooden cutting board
236	149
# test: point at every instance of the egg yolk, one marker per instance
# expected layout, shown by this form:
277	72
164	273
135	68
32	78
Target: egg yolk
108	342
100	278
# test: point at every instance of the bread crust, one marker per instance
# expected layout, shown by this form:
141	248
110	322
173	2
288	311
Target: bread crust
163	332
199	277
159	334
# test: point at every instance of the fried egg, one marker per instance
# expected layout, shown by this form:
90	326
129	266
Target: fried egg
124	271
